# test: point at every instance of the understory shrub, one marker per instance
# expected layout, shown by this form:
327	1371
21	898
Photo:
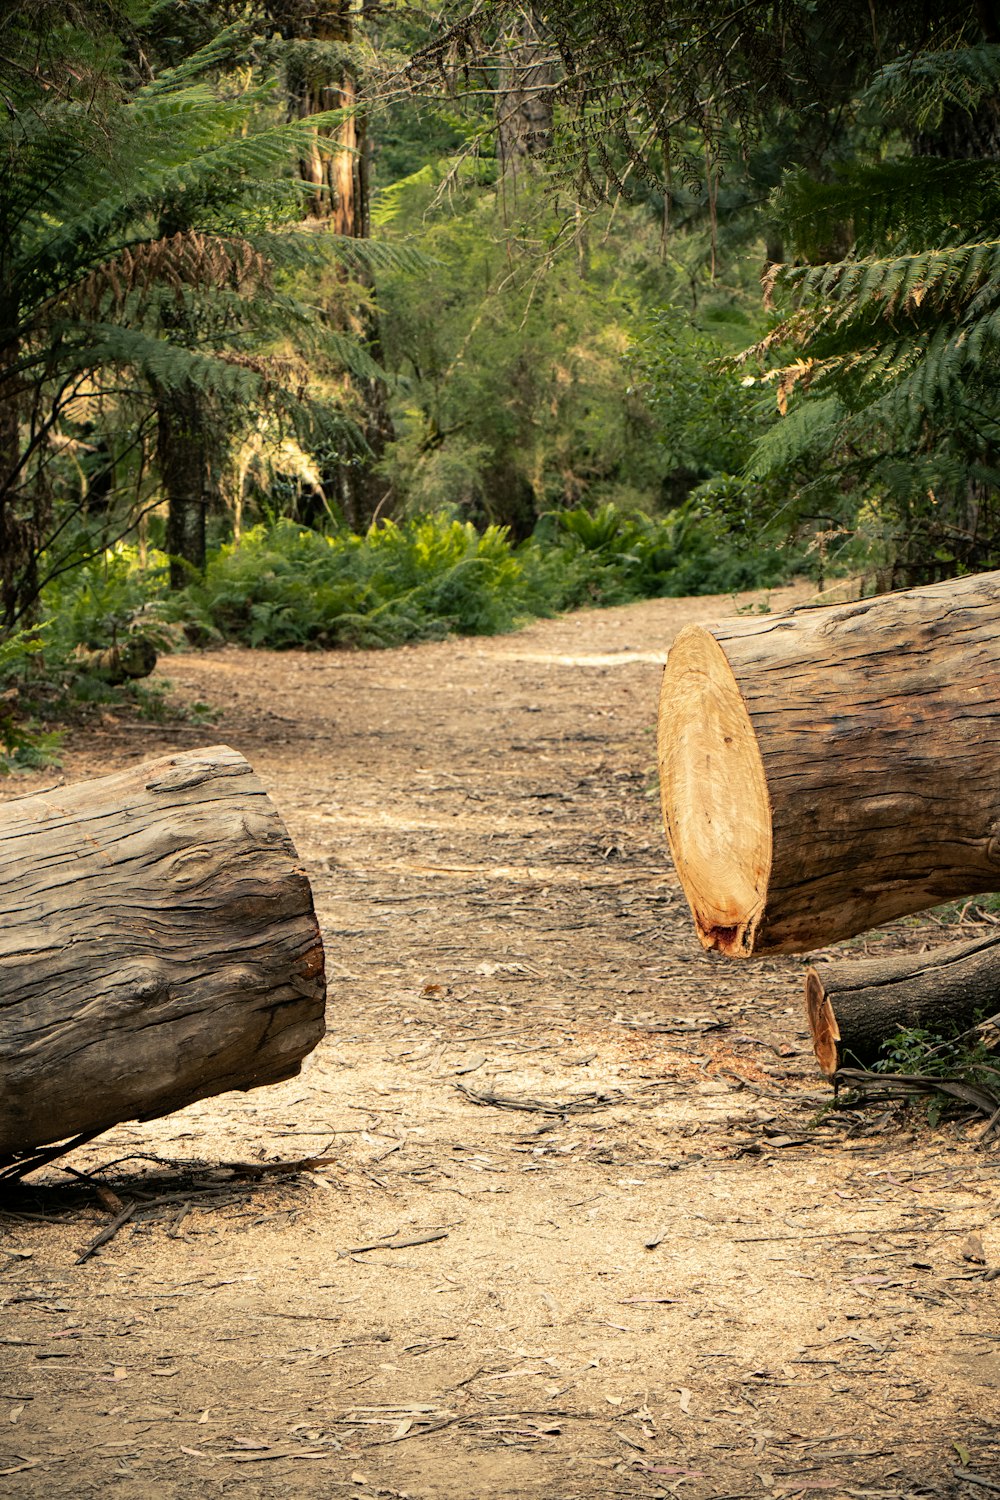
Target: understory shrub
612	556
284	585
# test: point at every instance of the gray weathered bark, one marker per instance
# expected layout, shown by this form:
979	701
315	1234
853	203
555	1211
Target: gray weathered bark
158	944
524	108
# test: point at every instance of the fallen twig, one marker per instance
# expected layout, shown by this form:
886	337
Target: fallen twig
263	1168
878	1088
836	1234
412	1432
969	1478
107	1233
577	1105
13	1168
422	1239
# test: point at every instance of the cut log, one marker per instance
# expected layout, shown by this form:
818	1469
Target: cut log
827	770
158	944
854	1008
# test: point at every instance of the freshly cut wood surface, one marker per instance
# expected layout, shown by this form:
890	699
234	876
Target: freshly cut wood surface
854	1008
827	770
158	944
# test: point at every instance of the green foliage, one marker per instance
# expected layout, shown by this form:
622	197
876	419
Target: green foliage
886	361
922	90
511	392
149	250
24	744
549	353
289	586
285	585
879	125
614	557
107	599
916	1049
705	414
957	1059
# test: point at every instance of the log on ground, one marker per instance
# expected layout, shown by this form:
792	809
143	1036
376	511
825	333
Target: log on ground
827	770
855	1008
158	944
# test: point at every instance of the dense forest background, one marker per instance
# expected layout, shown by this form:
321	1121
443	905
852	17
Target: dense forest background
335	321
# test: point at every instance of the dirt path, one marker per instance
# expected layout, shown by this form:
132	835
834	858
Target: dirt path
674	1277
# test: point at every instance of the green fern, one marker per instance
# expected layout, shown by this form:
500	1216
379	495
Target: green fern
104	306
919	89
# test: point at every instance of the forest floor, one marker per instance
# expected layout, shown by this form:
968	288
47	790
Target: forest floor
567	1214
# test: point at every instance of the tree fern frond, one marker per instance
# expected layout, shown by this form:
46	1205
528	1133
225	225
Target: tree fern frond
189	258
196	146
903	202
218	53
301	247
919	88
159	361
936	277
809	427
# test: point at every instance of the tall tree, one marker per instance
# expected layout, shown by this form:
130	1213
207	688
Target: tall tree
886	365
106	320
322	76
524	101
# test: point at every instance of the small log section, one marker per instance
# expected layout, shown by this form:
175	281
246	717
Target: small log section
158	944
853	1008
829	769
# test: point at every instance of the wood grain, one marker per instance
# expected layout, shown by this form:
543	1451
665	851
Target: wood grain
830	769
158	944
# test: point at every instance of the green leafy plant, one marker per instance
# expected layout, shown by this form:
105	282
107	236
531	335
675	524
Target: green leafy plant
24	743
948	1071
885	361
288	586
285	585
152	297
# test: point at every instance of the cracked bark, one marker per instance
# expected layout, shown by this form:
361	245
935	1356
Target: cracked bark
158	944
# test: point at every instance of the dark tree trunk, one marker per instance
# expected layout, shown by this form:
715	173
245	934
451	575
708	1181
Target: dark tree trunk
183	453
855	1008
24	505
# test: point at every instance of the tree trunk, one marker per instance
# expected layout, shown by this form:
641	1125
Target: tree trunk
830	769
316	86
182	449
854	1008
342	201
158	944
25	507
524	105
